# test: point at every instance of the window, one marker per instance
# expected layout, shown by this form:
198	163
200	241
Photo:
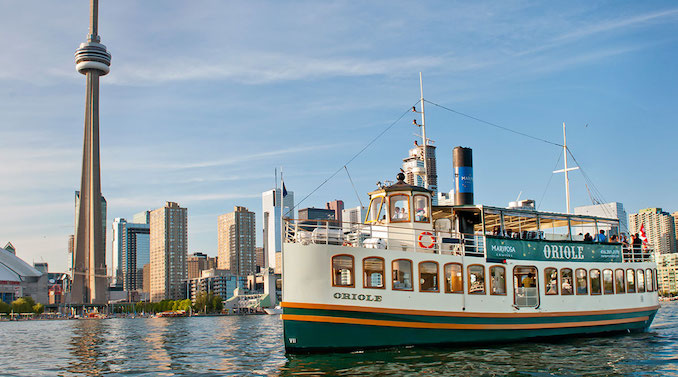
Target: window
649	280
400	208
373	272
582	283
566	281
342	271
476	279
630	281
594	276
656	279
551	280
428	277
526	290
402	274
421	209
374	213
454	278
608	282
497	280
619	285
641	281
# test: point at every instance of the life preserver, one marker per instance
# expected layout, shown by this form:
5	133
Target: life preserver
346	243
433	240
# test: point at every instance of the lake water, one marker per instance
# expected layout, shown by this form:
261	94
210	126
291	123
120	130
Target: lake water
252	345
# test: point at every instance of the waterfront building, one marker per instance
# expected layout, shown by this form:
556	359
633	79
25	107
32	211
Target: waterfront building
220	282
199	262
260	258
351	217
168	254
415	172
131	251
338	207
19	279
675	224
146	287
237	238
659	226
271	203
667	272
612	210
43	267
9	247
143	217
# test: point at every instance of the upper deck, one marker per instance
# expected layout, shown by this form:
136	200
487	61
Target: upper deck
401	217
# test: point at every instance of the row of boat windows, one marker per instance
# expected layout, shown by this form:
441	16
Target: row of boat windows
564	282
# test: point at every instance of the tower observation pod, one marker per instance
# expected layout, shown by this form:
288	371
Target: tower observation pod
462	160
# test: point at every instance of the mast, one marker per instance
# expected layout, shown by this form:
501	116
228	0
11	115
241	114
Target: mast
566	170
423	132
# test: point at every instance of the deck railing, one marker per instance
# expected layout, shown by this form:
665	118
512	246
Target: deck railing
395	237
377	236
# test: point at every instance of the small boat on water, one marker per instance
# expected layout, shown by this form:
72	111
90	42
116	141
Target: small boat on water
414	273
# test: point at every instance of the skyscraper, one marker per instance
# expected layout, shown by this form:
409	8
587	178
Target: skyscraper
131	251
659	228
169	247
236	233
143	217
416	174
271	212
337	206
199	262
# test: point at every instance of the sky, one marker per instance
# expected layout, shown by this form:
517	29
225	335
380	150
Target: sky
205	99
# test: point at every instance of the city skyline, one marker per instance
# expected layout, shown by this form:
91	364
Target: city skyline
208	132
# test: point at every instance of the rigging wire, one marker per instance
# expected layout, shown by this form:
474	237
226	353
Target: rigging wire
494	124
354	189
409	110
549	182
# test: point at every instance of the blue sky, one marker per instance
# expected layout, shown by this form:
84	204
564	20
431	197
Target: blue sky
204	101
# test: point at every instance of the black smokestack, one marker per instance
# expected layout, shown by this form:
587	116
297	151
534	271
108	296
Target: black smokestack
462	160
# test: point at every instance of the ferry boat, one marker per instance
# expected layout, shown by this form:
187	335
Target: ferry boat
414	273
417	274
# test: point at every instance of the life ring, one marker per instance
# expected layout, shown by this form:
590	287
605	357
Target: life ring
433	240
346	243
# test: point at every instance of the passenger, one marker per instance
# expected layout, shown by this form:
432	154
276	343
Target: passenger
588	238
600	237
508	233
396	215
637	248
624	241
528	281
496	230
613	238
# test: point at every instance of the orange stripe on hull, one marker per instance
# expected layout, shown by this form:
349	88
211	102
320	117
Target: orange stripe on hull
299	305
458	326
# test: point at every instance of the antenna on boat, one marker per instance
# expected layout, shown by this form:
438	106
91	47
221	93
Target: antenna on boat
565	170
423	129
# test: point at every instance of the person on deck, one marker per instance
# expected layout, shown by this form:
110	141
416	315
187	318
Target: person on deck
600	237
588	238
528	281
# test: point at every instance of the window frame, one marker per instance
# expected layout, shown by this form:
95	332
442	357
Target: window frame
437	276
640	273
576	282
536	285
603	281
647	280
600	282
369	209
393	288
546	283
352	271
628	283
409	207
461	270
489	270
468	273
383	273
616	291
428	208
572	282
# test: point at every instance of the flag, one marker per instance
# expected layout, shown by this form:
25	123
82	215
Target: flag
642	234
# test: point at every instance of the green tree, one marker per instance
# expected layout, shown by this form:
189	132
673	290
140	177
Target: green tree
38	308
23	305
217	304
5	307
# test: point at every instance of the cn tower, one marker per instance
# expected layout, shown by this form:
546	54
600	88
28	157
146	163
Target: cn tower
90	282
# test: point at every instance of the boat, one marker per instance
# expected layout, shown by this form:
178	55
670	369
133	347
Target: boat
413	273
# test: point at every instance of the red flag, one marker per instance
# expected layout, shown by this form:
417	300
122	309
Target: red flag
642	234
